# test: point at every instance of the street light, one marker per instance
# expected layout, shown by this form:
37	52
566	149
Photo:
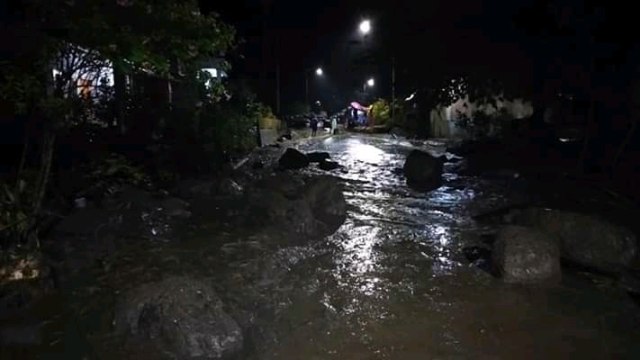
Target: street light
365	27
370	83
319	71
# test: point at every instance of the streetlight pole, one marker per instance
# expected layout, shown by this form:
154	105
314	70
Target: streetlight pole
393	86
365	29
319	72
306	88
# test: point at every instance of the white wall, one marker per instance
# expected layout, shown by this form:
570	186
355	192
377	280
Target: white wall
443	119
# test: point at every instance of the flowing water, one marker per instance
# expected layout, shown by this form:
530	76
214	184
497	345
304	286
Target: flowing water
396	284
392	283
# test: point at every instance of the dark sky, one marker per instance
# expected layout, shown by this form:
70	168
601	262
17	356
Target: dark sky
503	38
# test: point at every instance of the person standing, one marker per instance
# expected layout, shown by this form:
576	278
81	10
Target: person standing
314	126
334	125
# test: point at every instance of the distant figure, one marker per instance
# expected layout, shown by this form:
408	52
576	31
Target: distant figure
334	125
314	126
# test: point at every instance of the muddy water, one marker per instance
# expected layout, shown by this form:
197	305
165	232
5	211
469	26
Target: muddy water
393	282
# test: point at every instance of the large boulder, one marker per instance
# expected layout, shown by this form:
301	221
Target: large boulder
328	165
181	318
316	207
326	200
423	171
293	159
526	255
318	156
585	240
290	186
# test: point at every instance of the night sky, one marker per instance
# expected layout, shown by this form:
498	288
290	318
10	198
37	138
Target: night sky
503	38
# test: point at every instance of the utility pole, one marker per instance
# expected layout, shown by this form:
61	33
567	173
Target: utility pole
393	86
278	86
306	88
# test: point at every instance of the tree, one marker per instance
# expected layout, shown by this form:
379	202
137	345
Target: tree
78	39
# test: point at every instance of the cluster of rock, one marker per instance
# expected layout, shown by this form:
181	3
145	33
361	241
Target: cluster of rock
293	159
531	247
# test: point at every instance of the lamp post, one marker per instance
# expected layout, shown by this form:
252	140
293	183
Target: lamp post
319	72
370	83
365	29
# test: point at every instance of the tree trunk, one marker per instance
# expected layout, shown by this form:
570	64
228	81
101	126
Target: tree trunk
23	157
43	179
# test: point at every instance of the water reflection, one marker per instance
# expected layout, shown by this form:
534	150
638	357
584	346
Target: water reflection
358	256
364	152
398	284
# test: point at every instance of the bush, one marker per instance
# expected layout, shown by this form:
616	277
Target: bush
381	112
14	212
116	170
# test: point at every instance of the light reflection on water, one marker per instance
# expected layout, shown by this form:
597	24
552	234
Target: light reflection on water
363	152
399	286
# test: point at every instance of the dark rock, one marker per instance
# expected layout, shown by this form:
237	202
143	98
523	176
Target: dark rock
423	171
328	165
398	132
257	165
180	317
270	208
314	208
324	196
193	189
526	255
293	159
478	256
289	186
318	156
175	208
301	218
585	240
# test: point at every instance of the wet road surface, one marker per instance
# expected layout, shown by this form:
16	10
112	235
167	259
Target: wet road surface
393	282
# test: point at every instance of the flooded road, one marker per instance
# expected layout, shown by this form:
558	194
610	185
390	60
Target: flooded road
393	282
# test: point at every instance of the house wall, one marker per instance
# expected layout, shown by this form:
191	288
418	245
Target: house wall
444	119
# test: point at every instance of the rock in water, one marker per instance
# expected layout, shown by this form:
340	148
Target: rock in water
318	156
324	196
585	240
180	317
328	165
423	171
293	159
526	255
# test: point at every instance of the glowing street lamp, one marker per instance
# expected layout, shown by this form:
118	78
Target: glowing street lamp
319	71
365	27
370	83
